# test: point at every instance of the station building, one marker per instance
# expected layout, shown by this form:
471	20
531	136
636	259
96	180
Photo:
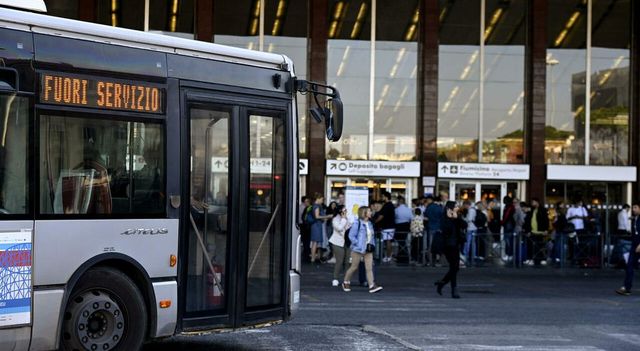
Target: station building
479	98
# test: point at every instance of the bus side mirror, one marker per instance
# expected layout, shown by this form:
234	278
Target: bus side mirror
331	113
334	122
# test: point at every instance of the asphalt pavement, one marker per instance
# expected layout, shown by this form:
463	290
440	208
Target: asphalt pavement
500	309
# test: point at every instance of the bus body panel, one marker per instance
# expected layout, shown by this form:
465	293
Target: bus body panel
47	305
66	245
15	339
167	317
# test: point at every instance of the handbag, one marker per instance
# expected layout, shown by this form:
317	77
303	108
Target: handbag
370	248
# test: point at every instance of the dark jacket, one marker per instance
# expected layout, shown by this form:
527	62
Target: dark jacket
542	218
635	232
453	231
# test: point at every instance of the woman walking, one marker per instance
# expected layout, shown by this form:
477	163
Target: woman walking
340	242
318	226
362	247
453	232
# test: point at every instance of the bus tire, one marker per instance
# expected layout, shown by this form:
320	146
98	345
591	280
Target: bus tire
105	311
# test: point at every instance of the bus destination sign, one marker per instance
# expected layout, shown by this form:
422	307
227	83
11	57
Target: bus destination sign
109	94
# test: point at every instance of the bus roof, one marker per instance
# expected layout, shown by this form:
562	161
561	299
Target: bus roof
51	25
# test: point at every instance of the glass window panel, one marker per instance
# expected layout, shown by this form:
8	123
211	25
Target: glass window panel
14	155
458	81
566	79
97	166
348	70
266	196
209	190
396	68
610	81
504	81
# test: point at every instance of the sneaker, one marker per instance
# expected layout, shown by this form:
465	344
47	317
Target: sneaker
335	282
528	262
332	260
346	287
543	262
623	291
375	288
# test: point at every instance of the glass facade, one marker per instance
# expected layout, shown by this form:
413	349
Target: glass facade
503	103
379	99
568	56
459	81
481	86
349	70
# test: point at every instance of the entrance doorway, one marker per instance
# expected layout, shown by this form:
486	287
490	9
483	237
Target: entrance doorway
396	186
487	191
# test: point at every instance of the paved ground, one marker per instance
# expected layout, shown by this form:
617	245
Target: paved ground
500	309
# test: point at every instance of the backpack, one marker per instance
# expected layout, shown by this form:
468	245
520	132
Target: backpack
308	217
481	220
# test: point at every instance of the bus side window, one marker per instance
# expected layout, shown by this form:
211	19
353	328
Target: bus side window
88	165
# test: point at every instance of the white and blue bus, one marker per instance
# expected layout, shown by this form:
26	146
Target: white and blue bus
148	184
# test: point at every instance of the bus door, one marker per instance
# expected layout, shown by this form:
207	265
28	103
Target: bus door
233	261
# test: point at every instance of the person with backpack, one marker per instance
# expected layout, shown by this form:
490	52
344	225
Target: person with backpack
508	226
317	218
481	222
536	224
469	216
340	242
362	247
305	227
453	227
417	232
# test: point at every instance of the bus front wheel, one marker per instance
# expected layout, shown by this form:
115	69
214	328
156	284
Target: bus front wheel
105	311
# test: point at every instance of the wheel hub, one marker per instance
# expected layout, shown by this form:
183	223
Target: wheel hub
100	323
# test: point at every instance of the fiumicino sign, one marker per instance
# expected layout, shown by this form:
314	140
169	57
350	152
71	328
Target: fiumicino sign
482	171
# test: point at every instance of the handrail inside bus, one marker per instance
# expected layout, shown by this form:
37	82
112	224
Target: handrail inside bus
216	280
264	236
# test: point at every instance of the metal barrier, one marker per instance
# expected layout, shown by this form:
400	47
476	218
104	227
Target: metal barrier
516	249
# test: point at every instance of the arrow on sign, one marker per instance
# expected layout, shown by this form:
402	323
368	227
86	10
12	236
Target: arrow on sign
218	163
445	168
333	166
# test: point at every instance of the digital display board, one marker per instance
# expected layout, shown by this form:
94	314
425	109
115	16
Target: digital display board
109	94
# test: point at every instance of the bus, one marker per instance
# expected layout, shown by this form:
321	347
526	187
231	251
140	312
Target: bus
148	184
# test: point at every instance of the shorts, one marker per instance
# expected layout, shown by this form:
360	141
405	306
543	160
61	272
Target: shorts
388	234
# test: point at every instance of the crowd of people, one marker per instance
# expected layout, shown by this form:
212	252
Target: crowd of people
467	233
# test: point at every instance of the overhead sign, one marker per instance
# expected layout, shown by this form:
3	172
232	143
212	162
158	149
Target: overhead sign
354	198
373	168
592	173
110	94
482	171
15	278
303	166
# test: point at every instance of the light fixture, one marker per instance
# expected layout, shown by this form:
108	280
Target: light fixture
412	29
338	14
567	27
254	20
115	9
495	18
357	25
173	15
280	13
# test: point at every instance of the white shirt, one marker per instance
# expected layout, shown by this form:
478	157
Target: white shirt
340	226
470	218
623	221
578	223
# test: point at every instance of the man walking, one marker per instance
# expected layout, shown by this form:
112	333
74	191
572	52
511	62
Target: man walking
386	220
634	252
